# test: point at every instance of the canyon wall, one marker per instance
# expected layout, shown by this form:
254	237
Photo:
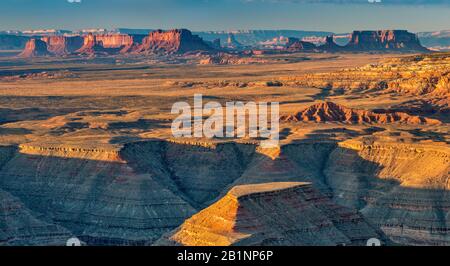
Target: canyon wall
63	45
35	48
138	193
270	214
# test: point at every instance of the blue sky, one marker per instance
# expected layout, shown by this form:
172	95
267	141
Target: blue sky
328	15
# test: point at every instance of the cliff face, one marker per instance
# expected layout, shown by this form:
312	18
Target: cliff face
173	41
398	40
63	45
34	48
93	45
281	213
330	45
294	44
114	40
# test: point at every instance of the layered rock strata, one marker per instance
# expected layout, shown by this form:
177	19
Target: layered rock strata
271	214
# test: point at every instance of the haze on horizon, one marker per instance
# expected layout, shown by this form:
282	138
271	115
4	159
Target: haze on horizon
325	15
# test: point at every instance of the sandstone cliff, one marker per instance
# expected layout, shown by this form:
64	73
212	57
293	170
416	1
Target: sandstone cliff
384	40
93	45
296	45
273	214
34	48
171	42
63	45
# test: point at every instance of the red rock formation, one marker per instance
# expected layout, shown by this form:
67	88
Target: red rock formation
63	45
396	40
93	46
331	112
173	41
114	40
34	48
295	45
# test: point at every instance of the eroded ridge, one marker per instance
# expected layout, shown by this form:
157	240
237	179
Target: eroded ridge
332	112
273	214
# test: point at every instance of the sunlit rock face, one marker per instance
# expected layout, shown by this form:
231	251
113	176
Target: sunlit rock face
400	40
332	112
173	41
283	213
63	45
34	48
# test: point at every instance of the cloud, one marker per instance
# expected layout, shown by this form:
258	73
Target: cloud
74	1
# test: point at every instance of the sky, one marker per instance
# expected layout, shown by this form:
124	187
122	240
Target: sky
338	16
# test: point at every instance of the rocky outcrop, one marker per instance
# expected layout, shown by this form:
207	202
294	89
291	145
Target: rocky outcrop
385	40
63	45
92	47
296	45
332	112
401	188
34	48
114	40
292	214
176	41
330	45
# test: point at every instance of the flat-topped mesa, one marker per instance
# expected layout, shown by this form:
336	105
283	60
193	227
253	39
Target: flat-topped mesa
115	40
332	112
171	42
63	45
296	45
34	48
281	213
93	45
385	40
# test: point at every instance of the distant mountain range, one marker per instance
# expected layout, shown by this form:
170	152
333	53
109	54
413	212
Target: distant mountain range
439	40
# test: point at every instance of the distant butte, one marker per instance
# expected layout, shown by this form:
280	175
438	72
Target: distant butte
34	48
181	41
